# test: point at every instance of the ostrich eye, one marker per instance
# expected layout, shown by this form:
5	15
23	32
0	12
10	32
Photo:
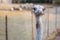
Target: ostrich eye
34	8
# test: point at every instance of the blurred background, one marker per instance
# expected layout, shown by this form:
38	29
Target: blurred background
20	25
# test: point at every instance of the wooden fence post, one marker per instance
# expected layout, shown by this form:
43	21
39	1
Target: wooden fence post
48	24
32	27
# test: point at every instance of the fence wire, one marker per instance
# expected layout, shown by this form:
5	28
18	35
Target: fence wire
48	24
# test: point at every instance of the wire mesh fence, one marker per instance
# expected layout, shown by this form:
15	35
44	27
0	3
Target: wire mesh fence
21	26
51	22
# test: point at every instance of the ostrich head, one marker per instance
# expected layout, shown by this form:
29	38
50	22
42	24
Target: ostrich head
38	10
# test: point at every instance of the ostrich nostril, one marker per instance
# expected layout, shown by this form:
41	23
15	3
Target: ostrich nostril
40	11
44	9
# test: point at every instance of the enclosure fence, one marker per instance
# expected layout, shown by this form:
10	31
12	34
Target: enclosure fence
22	26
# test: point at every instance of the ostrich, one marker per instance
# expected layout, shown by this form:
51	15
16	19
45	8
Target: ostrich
38	11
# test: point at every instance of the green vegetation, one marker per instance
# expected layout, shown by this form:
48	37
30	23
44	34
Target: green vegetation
36	1
32	1
56	1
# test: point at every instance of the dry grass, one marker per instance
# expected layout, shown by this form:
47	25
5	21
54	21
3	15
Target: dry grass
7	12
7	5
53	34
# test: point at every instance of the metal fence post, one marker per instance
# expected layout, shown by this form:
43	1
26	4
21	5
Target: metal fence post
56	18
6	28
